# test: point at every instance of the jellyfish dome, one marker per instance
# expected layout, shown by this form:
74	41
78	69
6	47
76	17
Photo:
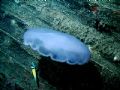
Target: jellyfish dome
59	46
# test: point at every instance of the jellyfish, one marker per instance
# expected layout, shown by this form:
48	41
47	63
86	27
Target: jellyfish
60	47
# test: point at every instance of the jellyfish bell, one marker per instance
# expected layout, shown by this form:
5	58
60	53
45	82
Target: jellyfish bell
61	47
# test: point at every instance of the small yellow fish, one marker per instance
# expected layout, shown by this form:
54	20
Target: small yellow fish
33	67
34	71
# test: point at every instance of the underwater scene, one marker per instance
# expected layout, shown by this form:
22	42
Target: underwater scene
59	44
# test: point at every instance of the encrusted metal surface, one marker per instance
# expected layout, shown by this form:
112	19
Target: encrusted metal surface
17	15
